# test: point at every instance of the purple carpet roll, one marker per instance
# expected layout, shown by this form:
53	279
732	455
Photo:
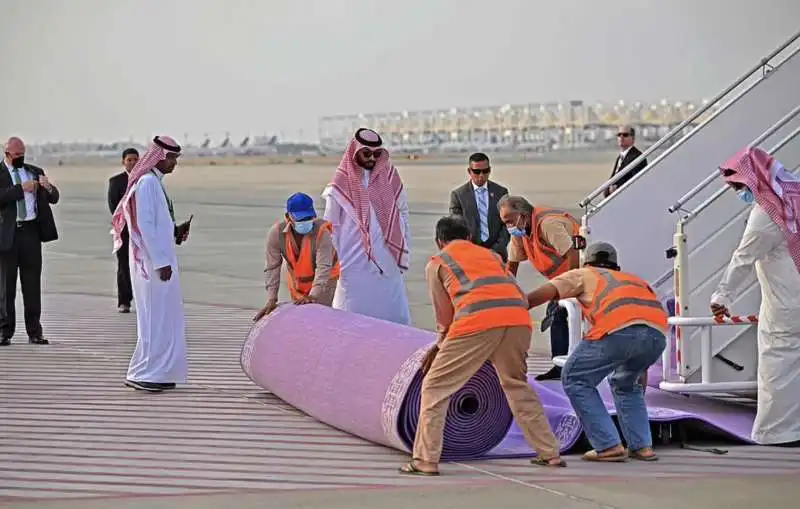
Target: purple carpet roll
361	375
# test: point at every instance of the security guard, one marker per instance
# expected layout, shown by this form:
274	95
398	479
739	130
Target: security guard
627	336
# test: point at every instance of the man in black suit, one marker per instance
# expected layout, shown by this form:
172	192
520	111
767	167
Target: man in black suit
477	201
26	221
117	185
626	138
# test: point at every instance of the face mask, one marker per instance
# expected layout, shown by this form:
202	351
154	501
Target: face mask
515	231
18	162
746	195
303	227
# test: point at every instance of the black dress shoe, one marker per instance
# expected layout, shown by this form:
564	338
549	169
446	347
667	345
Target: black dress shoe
553	374
5	341
124	308
144	386
38	340
166	387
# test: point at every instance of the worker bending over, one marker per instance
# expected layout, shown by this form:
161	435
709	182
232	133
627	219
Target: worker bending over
545	237
627	335
481	314
305	243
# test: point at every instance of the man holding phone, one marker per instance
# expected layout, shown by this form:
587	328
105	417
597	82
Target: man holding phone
159	360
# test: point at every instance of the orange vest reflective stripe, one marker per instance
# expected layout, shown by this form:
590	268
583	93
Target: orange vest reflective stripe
545	258
302	266
621	299
483	294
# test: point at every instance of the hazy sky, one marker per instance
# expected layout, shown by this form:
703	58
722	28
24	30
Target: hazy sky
111	69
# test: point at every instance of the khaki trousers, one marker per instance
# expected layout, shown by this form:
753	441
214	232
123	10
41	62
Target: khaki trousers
455	363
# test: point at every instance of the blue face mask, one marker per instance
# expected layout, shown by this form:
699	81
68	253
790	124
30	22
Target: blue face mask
303	227
515	231
746	195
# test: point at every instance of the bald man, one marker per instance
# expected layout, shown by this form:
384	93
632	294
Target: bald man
26	221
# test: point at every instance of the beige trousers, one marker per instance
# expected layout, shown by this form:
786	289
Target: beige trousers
460	358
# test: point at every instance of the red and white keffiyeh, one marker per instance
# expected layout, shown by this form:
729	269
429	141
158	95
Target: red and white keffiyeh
776	190
156	152
382	193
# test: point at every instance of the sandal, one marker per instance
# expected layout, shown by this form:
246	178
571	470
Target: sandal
541	462
411	469
643	454
614	457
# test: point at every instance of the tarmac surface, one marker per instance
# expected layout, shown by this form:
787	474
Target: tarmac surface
73	436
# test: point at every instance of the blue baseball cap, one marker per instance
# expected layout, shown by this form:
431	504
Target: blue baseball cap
301	207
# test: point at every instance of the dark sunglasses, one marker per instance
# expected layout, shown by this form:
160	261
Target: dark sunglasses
374	154
480	172
623	135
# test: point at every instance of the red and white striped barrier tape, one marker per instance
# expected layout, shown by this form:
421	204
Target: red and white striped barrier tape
736	319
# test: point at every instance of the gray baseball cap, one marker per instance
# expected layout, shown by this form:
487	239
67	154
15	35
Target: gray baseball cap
600	252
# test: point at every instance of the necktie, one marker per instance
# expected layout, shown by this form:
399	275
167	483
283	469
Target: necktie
483	213
22	211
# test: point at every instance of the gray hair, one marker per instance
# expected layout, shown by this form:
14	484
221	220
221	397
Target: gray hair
516	204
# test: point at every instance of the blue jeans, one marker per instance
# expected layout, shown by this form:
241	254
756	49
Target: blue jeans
623	356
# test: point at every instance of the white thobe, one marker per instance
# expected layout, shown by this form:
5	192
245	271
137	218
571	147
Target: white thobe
763	245
362	288
160	354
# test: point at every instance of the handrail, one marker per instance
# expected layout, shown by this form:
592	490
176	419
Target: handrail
679	128
688	218
706	348
716	174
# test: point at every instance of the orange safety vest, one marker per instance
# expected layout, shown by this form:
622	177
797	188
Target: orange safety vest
483	294
544	257
620	300
302	267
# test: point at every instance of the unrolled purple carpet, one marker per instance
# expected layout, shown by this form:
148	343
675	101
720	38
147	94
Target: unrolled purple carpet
361	375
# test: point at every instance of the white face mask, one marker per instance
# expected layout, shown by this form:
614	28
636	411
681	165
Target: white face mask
303	227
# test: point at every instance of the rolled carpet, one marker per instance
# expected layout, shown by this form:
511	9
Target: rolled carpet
361	375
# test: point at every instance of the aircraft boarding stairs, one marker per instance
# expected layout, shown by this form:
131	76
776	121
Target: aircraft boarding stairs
680	236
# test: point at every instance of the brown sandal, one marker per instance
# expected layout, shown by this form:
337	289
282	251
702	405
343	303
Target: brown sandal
411	469
542	462
643	454
604	457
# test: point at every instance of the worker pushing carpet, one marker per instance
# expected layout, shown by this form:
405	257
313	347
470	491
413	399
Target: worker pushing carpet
361	375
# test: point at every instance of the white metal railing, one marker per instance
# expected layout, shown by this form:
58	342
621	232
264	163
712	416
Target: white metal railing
716	174
575	327
690	216
706	384
763	65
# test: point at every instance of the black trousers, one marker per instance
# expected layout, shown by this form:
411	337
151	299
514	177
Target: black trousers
23	259
559	330
124	289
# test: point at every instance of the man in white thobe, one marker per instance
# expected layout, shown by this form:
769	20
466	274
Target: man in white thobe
159	360
368	207
771	243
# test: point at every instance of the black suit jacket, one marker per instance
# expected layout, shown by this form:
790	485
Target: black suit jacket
632	154
117	185
10	194
462	203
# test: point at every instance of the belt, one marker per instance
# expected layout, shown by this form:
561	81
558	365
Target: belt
22	224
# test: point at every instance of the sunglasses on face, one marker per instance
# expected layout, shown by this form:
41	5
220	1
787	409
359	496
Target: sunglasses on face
480	172
623	135
372	154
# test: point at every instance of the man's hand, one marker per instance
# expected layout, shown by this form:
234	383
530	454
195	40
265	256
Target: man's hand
427	361
268	308
719	310
308	299
45	182
29	186
165	273
182	232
